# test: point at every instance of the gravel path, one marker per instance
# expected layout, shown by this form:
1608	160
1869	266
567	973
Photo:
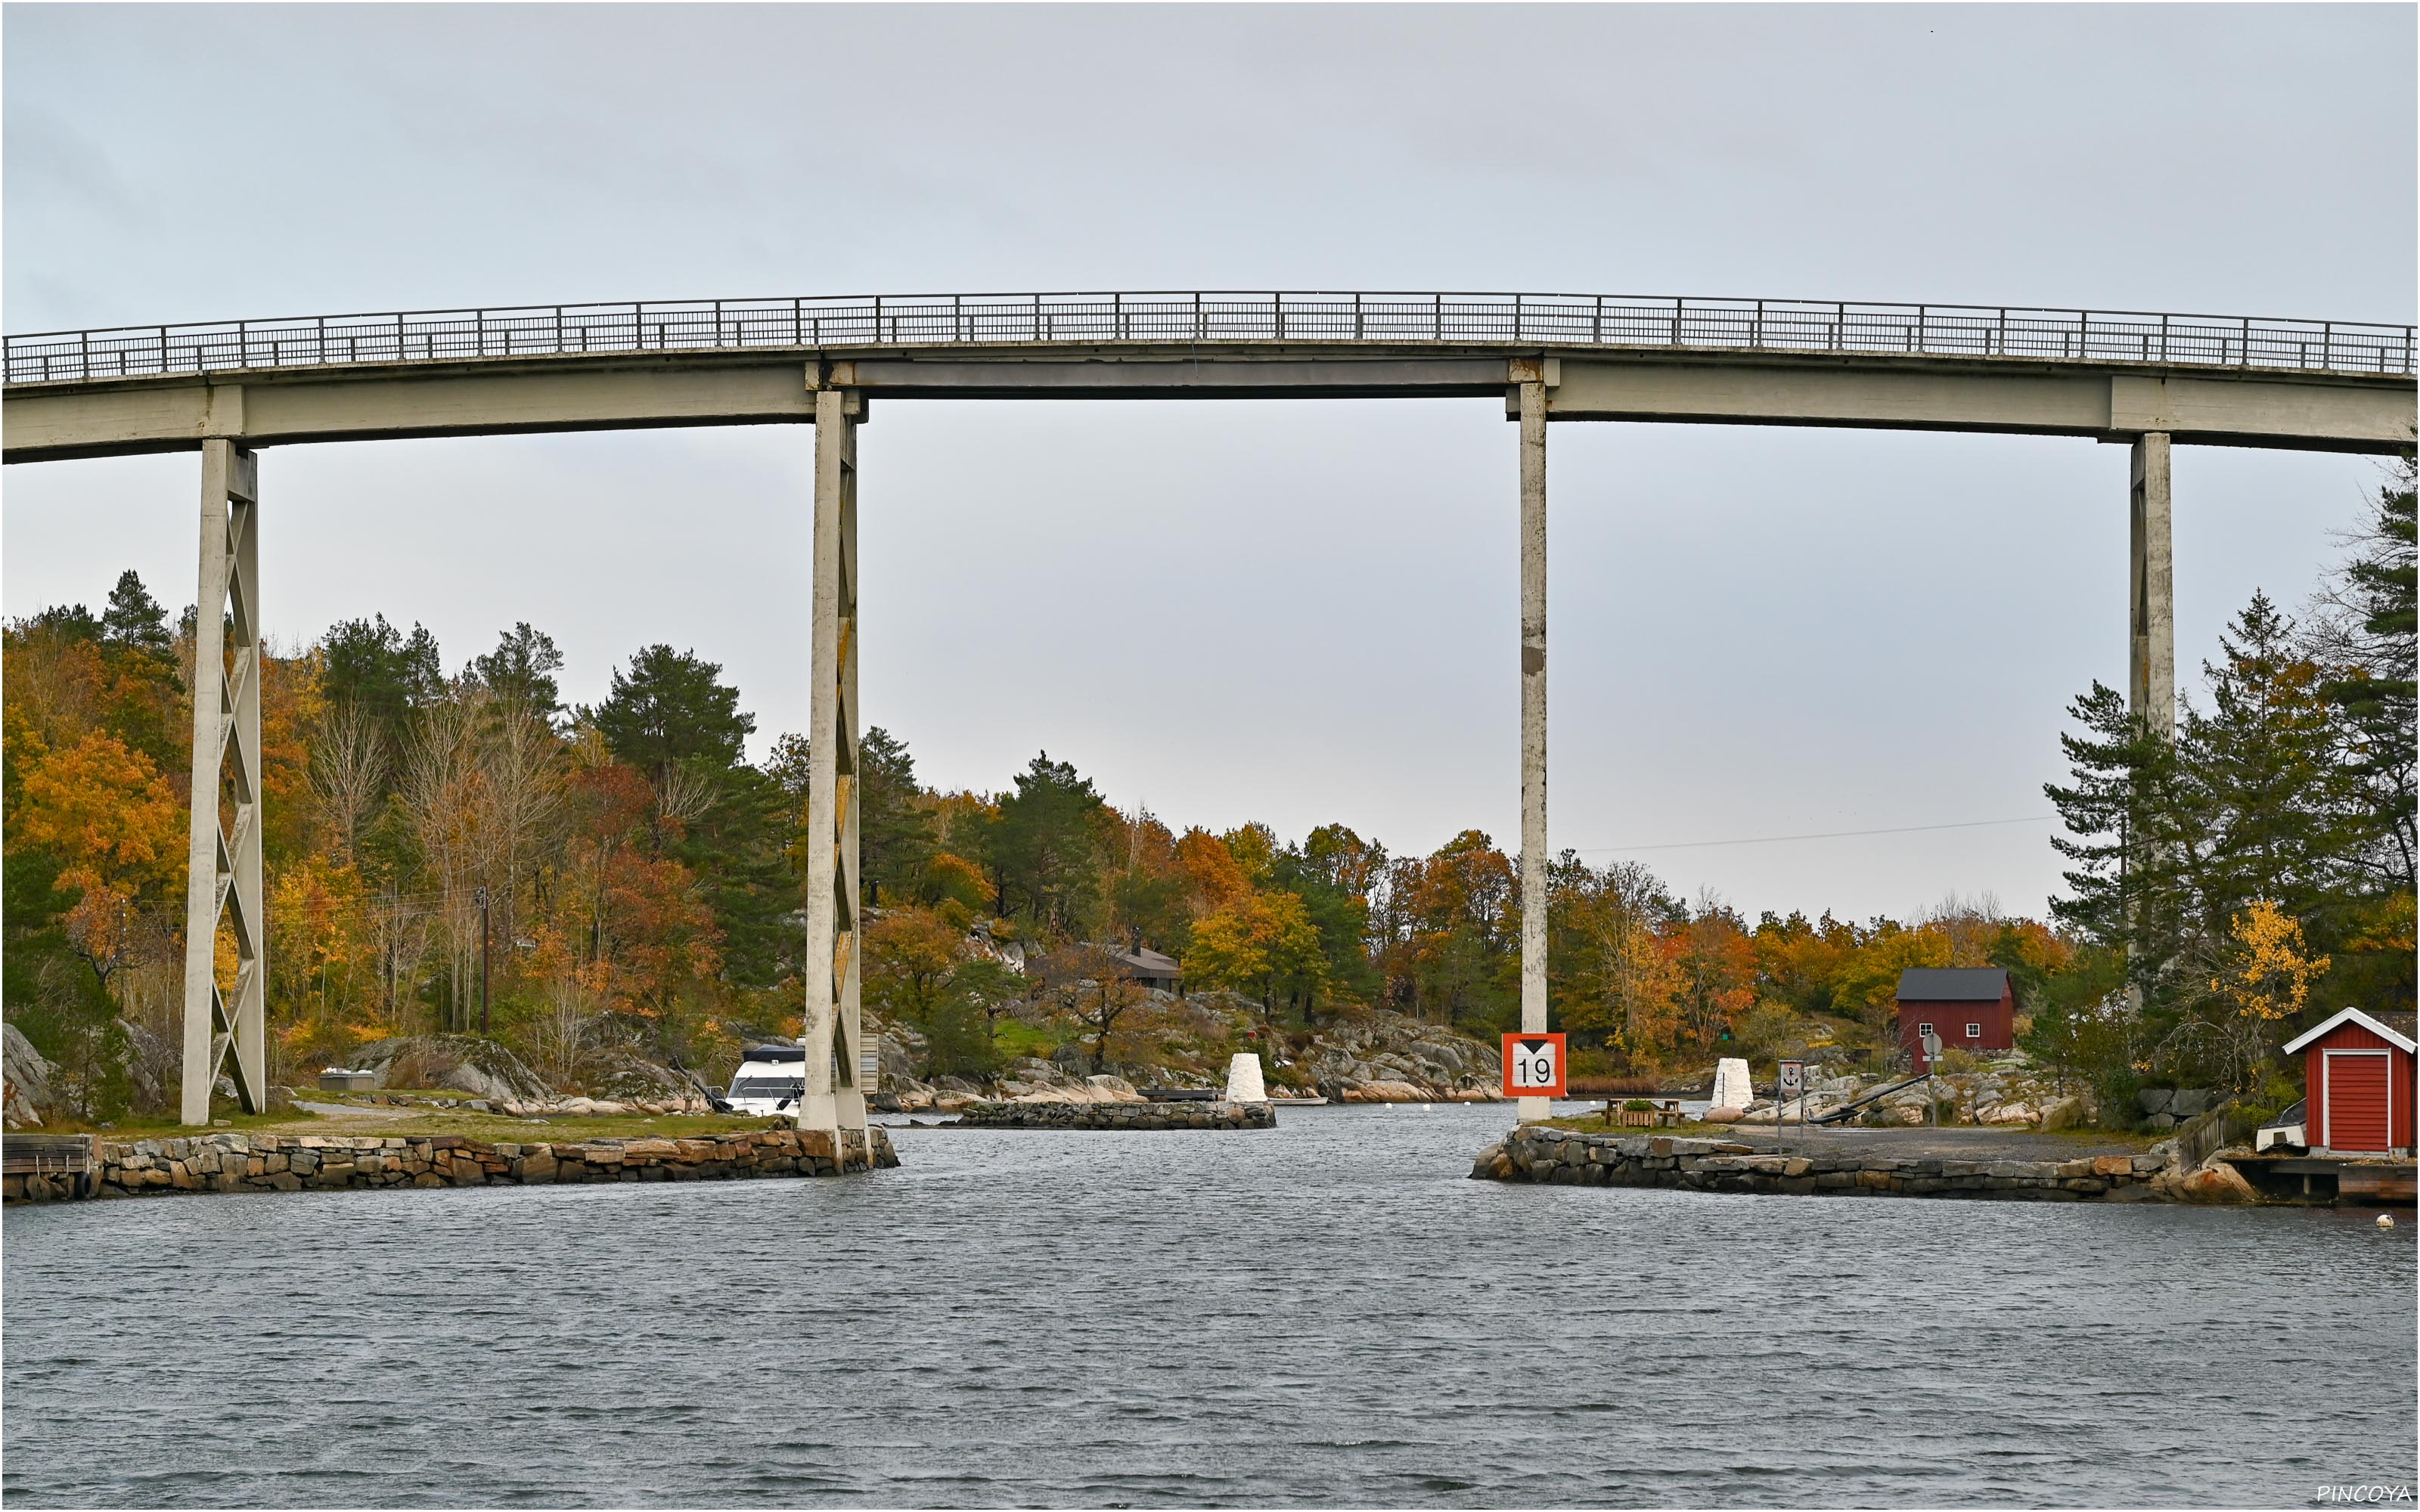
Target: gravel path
357	1111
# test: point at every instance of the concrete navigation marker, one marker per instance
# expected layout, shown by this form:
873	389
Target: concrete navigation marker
1244	1084
1732	1087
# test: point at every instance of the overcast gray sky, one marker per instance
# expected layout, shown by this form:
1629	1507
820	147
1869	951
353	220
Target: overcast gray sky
1301	613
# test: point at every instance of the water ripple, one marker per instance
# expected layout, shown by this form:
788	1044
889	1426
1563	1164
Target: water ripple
1325	1314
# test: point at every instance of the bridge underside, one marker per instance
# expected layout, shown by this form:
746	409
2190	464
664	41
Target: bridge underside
2108	401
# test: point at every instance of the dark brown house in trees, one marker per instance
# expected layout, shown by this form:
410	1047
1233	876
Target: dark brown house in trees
1971	1007
1149	968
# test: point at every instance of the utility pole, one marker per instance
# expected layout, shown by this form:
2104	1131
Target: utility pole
483	959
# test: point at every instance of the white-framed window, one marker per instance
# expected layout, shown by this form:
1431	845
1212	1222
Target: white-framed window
1974	1031
1923	1029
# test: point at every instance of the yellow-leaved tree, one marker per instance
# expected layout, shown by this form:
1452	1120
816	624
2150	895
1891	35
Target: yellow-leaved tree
1627	981
115	826
2266	972
1260	944
2262	978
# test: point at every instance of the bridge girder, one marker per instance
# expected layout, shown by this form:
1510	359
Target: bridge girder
2100	400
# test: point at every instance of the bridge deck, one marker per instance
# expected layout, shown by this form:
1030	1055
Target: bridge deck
2230	380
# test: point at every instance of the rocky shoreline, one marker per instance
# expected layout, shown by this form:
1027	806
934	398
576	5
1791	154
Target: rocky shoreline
1564	1157
217	1163
1022	1115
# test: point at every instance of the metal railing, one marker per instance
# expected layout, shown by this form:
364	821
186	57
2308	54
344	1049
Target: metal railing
1199	318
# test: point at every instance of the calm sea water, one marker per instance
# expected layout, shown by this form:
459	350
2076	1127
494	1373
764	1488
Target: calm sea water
1327	1313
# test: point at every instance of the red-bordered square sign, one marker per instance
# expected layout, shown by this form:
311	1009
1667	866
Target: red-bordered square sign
1534	1065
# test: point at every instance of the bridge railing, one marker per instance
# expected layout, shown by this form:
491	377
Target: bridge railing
1306	319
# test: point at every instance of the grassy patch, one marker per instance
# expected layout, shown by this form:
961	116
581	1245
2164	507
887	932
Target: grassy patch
491	1128
1016	1038
2102	1139
1594	1124
488	1127
164	1127
310	1094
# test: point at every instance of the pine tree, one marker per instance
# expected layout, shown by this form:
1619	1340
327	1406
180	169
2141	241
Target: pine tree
672	707
521	670
894	836
2134	840
1042	846
133	619
737	846
390	676
2278	819
2362	629
1341	917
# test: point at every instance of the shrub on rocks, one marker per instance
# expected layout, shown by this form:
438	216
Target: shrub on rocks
459	1062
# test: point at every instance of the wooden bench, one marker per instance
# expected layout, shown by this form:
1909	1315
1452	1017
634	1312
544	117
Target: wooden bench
1666	1116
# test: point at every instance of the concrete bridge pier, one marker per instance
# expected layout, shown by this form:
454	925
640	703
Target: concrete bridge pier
2150	613
1531	374
2151	664
833	1100
222	873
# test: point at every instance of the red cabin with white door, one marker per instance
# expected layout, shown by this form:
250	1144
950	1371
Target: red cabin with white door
1971	1007
2358	1084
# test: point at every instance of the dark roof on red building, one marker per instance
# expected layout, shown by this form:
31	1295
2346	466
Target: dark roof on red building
1952	985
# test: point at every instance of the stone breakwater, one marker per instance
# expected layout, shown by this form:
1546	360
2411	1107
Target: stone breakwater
288	1163
1118	1116
1565	1157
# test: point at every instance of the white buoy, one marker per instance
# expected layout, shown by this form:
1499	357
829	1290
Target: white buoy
2385	1220
1244	1084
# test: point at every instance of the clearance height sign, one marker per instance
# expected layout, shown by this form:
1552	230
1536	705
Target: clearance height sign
1534	1065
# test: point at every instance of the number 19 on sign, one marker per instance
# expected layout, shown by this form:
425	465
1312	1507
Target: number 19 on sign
1534	1065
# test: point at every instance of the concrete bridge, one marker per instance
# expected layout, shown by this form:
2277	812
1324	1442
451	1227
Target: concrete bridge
228	388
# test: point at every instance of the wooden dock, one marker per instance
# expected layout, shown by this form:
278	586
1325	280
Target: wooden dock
41	1167
2324	1179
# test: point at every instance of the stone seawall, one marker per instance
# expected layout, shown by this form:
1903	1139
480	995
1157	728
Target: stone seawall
289	1162
1565	1157
1118	1116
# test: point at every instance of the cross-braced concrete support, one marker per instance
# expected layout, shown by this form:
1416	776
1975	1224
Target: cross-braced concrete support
1533	717
222	866
2151	662
833	1100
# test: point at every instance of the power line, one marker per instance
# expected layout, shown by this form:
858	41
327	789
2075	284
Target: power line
1834	834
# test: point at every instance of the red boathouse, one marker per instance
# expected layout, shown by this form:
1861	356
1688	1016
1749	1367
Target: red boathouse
1971	1007
2357	1083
